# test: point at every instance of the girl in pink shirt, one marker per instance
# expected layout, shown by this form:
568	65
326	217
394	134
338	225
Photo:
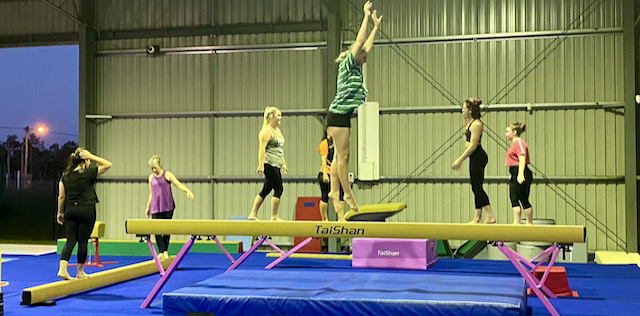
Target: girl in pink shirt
521	176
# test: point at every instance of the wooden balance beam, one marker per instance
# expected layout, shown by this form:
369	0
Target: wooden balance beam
44	292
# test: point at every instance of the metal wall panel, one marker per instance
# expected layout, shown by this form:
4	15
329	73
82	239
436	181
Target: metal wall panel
145	84
183	144
35	17
574	69
416	18
255	80
125	14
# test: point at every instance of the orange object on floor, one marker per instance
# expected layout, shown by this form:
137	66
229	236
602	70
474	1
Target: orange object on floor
308	209
556	282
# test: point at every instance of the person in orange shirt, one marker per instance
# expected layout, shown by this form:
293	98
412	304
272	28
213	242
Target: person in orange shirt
326	151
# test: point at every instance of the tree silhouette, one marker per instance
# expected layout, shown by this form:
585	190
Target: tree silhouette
44	163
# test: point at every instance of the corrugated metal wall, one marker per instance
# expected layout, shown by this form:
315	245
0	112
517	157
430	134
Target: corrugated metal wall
564	143
35	17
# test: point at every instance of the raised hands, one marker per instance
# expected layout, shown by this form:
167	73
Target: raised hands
367	8
376	19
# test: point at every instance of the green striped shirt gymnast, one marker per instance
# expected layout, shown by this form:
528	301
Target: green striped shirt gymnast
352	91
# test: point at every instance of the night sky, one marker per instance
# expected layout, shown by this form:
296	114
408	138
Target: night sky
39	85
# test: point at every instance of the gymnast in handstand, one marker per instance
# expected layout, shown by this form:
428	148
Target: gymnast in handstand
350	94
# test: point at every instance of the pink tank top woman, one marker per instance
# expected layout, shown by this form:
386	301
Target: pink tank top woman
161	195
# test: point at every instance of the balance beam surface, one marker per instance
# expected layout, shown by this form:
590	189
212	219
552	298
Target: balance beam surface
41	293
497	232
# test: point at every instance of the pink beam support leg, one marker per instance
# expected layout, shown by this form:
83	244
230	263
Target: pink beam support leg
528	278
274	246
155	255
524	261
167	274
551	263
246	254
223	249
286	255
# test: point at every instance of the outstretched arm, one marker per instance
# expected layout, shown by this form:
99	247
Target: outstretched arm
372	36
172	178
362	33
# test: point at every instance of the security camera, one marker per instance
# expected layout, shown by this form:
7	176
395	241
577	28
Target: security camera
153	49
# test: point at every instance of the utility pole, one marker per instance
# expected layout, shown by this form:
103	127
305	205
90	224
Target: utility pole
25	163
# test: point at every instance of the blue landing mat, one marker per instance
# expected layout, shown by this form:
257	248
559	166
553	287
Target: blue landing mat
259	292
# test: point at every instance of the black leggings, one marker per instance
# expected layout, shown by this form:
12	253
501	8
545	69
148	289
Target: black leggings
325	188
477	162
519	192
162	241
78	224
272	181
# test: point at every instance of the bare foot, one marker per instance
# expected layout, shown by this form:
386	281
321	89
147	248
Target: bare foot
516	223
474	221
351	202
82	275
490	221
253	218
276	219
64	275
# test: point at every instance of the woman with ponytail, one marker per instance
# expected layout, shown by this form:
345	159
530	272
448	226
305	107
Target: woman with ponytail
478	159
77	206
350	94
270	162
521	176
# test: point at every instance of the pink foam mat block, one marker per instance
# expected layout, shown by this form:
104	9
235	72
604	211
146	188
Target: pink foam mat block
394	253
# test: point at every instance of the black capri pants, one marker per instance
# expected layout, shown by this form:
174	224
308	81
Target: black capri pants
477	162
78	225
162	241
272	181
519	192
326	187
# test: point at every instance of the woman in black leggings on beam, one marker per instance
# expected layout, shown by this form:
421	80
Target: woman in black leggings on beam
77	206
270	162
477	159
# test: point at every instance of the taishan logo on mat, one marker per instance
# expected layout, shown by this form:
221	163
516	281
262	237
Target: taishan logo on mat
388	253
339	230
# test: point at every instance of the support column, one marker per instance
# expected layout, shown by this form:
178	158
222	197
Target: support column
87	76
334	47
630	126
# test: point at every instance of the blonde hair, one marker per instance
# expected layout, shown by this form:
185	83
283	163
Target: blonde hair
155	159
342	56
268	114
345	53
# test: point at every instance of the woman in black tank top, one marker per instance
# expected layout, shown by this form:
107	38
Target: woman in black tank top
477	159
